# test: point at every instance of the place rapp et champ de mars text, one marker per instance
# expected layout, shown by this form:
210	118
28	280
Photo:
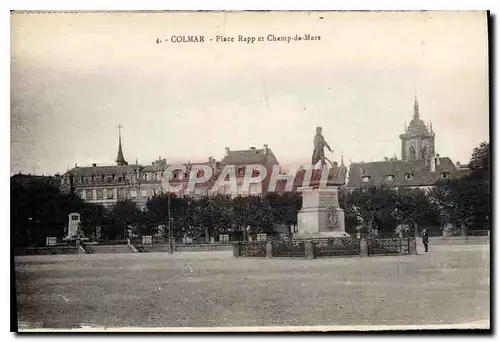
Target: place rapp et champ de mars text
237	39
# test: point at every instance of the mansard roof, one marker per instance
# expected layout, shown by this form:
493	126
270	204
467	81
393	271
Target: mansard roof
250	156
377	173
101	170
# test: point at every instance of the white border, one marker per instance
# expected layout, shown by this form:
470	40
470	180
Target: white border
189	5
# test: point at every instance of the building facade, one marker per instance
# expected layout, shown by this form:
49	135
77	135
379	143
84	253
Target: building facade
108	184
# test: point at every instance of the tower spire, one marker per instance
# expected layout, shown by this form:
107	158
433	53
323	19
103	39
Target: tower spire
416	115
120	160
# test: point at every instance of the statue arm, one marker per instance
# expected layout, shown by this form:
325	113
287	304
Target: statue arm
327	146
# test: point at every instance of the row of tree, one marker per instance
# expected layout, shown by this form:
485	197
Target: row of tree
39	210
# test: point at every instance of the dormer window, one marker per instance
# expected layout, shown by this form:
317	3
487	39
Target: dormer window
445	175
365	178
408	176
175	174
241	171
186	174
389	178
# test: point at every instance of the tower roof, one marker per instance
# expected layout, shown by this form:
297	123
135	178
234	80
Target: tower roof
120	160
417	125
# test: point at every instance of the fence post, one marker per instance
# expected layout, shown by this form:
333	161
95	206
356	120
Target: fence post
269	249
309	249
363	248
236	249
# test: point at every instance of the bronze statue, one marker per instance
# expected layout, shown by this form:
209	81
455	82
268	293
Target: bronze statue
319	145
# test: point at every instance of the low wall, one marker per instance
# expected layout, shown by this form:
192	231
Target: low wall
96	249
47	250
321	248
184	248
458	240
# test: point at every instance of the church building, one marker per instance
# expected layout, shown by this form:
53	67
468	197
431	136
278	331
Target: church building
419	167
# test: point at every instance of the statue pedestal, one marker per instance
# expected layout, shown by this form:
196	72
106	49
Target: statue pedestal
321	215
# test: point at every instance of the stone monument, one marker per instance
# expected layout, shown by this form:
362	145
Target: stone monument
73	225
321	215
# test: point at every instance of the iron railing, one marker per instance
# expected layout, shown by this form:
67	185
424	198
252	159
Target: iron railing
341	246
289	249
386	246
252	249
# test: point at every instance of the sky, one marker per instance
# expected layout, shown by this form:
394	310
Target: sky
76	76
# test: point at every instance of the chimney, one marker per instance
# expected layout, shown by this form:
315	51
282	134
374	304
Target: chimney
437	160
266	148
94	165
458	165
227	150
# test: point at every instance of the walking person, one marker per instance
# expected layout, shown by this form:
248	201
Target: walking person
425	239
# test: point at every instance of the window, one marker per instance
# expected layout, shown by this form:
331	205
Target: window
92	178
110	179
110	195
445	175
121	194
102	178
254	189
81	179
133	194
409	176
144	193
365	178
390	178
83	194
255	173
186	174
200	173
74	217
241	171
176	174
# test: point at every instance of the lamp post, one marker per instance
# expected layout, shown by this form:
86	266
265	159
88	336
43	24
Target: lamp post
170	246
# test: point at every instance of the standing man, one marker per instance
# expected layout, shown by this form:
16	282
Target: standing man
425	239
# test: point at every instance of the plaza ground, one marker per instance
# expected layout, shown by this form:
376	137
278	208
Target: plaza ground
448	285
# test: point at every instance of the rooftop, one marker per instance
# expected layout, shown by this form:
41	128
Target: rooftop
401	173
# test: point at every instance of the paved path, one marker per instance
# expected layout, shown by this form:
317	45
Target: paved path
448	285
